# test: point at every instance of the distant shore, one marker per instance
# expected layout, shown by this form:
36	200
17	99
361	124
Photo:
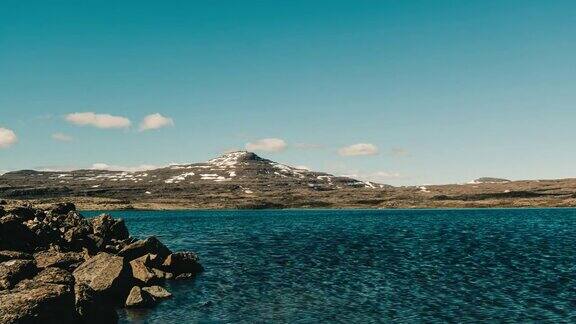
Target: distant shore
86	204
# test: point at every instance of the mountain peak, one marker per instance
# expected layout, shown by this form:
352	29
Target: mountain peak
233	158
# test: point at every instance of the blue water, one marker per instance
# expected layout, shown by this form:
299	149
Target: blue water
346	266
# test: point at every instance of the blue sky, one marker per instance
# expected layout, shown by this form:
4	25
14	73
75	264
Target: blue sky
435	91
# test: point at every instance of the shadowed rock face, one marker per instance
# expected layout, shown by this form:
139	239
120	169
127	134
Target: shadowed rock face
59	284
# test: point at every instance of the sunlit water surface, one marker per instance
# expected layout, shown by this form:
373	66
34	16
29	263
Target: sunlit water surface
345	266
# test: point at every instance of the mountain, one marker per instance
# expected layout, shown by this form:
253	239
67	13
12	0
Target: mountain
244	180
233	180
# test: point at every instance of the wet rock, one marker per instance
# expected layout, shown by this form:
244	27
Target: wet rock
11	272
182	263
157	292
11	255
142	273
138	298
107	274
64	260
150	245
91	308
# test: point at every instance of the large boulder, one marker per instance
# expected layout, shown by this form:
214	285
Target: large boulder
139	248
109	228
64	260
182	263
92	308
139	298
13	271
38	303
107	274
16	236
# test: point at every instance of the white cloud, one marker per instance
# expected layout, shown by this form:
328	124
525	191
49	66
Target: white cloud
267	145
7	138
358	149
62	137
155	121
104	166
98	120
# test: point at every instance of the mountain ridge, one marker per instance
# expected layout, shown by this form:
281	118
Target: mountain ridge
244	180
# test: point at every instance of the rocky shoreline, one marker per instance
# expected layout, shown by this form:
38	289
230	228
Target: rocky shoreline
58	267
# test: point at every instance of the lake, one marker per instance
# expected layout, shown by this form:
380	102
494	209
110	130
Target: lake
367	266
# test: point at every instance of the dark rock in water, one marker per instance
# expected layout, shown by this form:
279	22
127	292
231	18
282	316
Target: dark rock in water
11	272
138	298
150	245
107	274
63	208
182	262
38	303
109	228
16	236
157	292
64	260
11	255
91	308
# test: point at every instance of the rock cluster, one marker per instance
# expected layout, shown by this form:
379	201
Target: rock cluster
58	267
